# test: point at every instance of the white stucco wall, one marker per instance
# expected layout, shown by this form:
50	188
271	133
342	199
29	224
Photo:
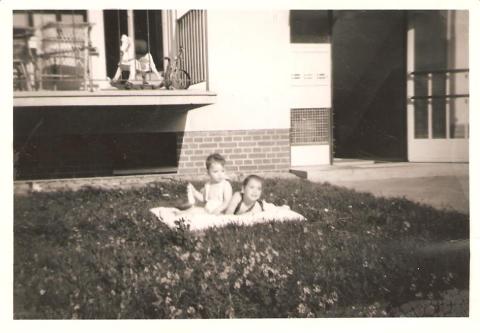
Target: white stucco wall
310	155
248	55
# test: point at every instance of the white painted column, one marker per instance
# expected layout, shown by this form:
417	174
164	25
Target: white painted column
97	36
168	33
130	25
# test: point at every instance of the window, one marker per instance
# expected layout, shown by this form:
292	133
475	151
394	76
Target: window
35	18
51	50
309	126
309	26
147	29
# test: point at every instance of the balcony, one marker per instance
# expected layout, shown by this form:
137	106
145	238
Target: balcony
113	97
52	66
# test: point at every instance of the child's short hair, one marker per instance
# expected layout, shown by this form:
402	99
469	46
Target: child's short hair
215	158
252	177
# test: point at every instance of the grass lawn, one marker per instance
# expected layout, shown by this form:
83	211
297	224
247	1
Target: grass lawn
102	254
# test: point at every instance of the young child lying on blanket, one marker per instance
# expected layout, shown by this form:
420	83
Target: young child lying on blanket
215	195
248	200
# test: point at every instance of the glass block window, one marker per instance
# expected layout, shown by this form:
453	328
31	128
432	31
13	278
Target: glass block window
310	126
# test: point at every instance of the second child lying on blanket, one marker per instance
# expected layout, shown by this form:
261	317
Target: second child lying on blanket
248	200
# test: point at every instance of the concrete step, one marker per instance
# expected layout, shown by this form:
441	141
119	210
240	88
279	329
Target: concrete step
372	171
351	162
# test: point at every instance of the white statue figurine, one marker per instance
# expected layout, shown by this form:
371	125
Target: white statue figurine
127	59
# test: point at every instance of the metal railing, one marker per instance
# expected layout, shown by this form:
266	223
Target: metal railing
440	71
431	99
440	96
429	74
191	34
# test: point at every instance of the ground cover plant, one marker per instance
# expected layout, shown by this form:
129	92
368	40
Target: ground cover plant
102	254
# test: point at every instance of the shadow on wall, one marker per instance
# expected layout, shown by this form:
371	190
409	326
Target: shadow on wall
369	84
95	141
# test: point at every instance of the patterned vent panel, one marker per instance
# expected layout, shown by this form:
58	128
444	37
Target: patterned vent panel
310	126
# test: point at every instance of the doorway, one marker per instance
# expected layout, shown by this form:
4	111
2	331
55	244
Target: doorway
369	84
147	27
438	86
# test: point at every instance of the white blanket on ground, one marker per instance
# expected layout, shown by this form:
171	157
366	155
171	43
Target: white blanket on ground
168	215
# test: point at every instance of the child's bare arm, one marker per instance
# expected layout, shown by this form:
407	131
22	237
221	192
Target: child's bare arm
236	198
200	195
197	194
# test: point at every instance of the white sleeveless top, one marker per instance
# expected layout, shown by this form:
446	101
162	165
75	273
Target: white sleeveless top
215	199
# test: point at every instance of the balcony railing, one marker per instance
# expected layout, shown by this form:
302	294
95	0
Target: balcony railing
191	34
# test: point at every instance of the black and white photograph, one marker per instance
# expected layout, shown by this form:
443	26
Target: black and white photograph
239	163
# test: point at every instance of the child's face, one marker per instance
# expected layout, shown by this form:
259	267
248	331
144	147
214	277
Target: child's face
253	190
216	172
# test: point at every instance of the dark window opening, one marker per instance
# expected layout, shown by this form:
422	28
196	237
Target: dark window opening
115	24
148	29
368	95
309	26
147	34
67	156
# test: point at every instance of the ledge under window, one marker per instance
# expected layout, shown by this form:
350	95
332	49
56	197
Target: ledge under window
113	97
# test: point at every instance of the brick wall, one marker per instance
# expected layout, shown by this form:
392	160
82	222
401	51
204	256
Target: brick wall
246	151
